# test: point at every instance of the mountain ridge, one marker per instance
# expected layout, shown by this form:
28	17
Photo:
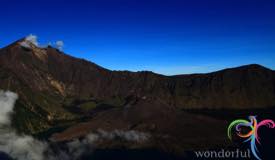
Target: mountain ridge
49	83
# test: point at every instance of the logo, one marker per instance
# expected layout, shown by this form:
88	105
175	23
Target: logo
252	136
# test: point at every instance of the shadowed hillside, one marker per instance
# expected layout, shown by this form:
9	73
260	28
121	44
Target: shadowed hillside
60	93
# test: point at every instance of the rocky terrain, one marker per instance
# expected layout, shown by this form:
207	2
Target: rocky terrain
63	98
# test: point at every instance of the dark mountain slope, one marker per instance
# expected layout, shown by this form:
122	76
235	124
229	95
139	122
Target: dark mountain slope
52	86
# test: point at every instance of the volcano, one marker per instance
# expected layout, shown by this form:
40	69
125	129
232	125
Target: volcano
63	98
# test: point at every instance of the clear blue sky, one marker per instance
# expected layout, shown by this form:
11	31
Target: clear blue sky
168	37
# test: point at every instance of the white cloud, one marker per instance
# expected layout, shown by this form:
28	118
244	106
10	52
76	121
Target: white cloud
59	45
7	101
24	147
20	147
76	148
32	39
128	135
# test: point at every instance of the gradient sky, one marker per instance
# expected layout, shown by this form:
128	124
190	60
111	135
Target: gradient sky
168	37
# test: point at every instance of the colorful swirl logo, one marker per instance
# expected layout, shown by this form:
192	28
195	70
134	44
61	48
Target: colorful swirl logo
252	135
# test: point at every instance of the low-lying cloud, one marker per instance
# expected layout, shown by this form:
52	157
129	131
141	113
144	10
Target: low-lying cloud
20	147
79	147
7	101
24	147
132	135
